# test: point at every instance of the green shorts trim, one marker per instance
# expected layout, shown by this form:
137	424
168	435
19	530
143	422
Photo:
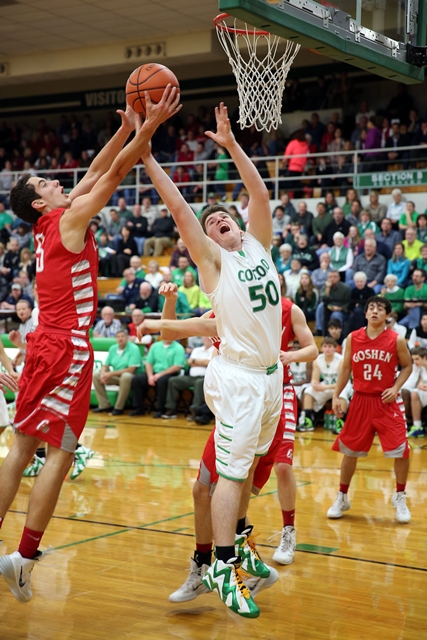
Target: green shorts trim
228	426
229	477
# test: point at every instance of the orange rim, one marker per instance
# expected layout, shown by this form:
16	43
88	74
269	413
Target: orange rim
242	32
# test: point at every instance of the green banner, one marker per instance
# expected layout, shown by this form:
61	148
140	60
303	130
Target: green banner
386	179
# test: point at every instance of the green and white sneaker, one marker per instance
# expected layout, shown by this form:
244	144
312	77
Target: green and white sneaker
246	549
338	427
81	457
307	425
34	468
416	432
227	579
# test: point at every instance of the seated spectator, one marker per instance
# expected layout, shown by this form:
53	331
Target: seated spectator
137	319
307	296
366	223
180	250
292	278
182	308
19	338
399	265
148	299
320	222
287	205
149	210
330	201
108	326
415	299
393	293
122	209
198	301
181	177
354	241
375	208
323	381
388	236
16	294
396	208
164	360
105	253
138	224
320	275
341	256
130	291
154	276
350	197
301	375
409	217
284	262
303	218
281	223
293	235
418	337
23	279
339	223
303	253
11	260
359	296
412	245
382	247
163	229
421	263
335	295
276	243
233	210
179	272
124	249
393	325
138	271
334	331
23	234
395	141
198	363
114	225
422	228
123	362
372	264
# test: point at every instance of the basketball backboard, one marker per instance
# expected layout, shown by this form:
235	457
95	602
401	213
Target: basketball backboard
384	37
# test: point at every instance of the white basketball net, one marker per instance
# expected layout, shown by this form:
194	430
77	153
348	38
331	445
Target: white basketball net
260	80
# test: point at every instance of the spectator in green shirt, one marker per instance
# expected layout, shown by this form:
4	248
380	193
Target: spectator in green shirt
179	272
393	293
124	360
409	217
5	218
415	299
166	358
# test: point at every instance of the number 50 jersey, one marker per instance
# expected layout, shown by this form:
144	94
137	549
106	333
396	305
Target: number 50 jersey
247	305
374	361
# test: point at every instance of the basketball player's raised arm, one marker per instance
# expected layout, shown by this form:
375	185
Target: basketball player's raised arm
308	351
344	373
84	207
202	249
259	212
105	158
405	361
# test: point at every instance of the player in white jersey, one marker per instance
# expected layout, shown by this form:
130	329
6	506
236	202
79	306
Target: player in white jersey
323	381
243	384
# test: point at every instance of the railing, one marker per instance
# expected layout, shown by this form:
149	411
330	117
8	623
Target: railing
358	170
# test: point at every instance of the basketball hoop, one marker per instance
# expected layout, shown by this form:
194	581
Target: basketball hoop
260	75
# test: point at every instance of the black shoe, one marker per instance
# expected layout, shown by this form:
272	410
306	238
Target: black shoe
99	410
169	413
199	420
193	411
117	412
158	414
137	412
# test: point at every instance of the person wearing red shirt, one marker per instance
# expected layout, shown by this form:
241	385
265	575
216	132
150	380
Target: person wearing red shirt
372	355
293	166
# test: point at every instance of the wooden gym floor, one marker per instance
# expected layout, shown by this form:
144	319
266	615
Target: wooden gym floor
122	538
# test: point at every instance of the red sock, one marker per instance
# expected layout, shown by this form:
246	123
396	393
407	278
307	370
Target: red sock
288	518
344	488
400	487
204	548
30	542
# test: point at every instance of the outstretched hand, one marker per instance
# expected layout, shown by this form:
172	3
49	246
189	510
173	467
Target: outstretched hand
169	291
7	381
163	110
130	119
224	135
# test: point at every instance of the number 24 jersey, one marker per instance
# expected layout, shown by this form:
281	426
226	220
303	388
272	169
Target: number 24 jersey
373	362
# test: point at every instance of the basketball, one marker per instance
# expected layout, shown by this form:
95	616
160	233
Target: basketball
153	78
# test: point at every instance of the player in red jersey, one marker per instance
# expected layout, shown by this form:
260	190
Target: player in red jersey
280	453
372	355
53	401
